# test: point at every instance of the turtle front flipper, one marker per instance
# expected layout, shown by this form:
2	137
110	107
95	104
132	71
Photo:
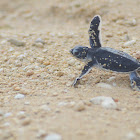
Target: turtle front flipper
135	81
86	70
94	32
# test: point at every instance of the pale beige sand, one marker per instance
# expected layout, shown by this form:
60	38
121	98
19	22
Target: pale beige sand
44	72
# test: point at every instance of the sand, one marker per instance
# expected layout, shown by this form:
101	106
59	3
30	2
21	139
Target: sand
37	70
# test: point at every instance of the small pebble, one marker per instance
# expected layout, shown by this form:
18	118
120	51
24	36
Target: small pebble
46	63
104	85
16	88
62	103
79	67
121	22
128	43
45	50
40	59
11	49
21	56
18	63
109	35
137	55
60	35
45	108
109	104
8	114
98	100
1	69
71	62
41	133
114	84
26	121
29	73
53	137
80	106
19	96
28	15
126	37
60	73
27	67
68	84
25	91
77	63
55	93
130	136
39	40
65	91
38	44
72	104
26	103
3	42
133	22
105	102
87	103
7	124
16	42
21	115
111	78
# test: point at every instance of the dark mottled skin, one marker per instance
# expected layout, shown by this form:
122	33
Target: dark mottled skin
94	32
113	60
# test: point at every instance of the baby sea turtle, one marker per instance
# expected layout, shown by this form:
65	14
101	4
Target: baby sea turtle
105	57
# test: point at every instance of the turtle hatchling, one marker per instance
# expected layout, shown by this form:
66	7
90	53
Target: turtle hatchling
104	57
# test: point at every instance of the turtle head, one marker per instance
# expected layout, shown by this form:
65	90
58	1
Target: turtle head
80	52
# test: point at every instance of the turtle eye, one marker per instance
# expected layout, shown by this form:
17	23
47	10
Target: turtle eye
76	53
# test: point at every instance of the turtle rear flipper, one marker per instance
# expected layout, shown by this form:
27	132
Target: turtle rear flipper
94	32
135	81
